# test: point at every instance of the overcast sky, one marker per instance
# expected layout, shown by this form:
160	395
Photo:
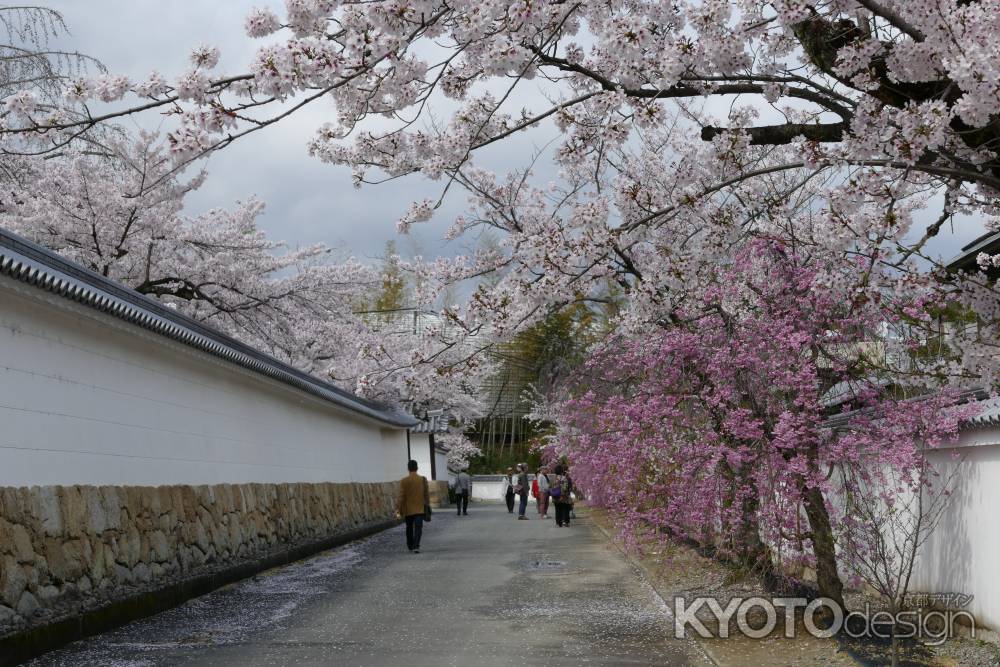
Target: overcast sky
307	201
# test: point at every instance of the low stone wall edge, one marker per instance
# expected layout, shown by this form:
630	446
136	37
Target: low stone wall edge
67	549
23	646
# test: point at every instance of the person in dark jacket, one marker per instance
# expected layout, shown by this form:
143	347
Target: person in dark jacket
523	488
463	489
561	490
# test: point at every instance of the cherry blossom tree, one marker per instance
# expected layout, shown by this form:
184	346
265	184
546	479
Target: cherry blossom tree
29	60
460	449
217	267
881	86
716	428
873	100
301	305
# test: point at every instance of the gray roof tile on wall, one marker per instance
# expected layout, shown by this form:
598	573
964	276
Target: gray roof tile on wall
34	265
989	414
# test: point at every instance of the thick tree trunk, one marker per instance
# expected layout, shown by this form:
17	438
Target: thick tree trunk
827	578
754	554
749	551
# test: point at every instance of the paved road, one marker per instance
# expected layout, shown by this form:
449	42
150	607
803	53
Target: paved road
485	590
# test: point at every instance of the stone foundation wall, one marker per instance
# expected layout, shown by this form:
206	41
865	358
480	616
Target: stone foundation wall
65	549
439	493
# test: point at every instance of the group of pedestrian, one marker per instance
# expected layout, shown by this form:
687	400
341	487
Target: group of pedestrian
553	486
413	503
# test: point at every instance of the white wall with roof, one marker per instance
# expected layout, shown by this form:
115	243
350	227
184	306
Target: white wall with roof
962	554
420	451
441	464
86	398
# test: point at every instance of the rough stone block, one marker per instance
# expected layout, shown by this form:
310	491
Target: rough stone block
67	561
111	497
220	537
6	536
235	535
69	590
15	505
97	513
42	566
45	507
23	549
98	562
74	512
12	581
47	595
122	574
34	579
6	614
168	521
27	605
201	539
142	573
133	548
159	547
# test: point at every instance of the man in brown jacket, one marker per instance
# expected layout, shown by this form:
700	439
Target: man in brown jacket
413	498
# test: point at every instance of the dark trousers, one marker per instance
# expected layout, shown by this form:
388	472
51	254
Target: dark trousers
414	529
523	506
462	501
562	513
510	500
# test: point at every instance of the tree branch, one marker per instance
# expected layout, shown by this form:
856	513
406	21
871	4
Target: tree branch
771	135
893	18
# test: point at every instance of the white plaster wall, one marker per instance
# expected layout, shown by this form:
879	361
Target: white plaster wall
420	451
441	465
87	399
486	488
394	454
962	554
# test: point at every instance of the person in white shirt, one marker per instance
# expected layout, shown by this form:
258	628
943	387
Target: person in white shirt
507	490
543	492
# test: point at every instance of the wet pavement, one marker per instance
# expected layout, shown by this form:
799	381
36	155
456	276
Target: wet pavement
485	590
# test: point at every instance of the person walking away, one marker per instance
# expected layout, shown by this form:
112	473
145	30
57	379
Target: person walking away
543	491
463	490
560	490
534	493
507	490
414	497
522	488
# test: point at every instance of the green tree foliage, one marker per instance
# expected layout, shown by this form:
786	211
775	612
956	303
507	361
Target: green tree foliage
392	293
